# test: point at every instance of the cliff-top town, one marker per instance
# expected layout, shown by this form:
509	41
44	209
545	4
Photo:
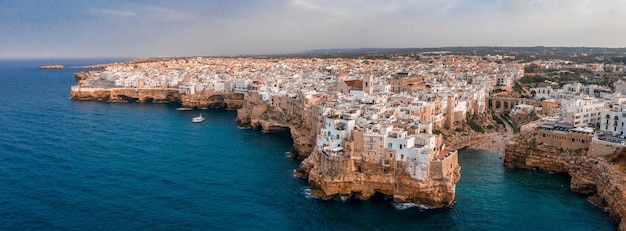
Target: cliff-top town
393	126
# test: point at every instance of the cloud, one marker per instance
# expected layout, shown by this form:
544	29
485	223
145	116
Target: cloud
306	5
199	27
113	12
165	14
146	13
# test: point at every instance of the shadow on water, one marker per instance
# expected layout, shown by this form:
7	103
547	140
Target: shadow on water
492	197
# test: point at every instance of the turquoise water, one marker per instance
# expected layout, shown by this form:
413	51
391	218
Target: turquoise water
72	165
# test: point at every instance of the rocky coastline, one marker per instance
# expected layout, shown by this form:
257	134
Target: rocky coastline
207	99
591	174
258	114
394	182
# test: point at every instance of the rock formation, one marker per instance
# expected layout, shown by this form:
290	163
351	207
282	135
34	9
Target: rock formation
141	95
57	66
211	99
395	181
287	113
258	114
590	172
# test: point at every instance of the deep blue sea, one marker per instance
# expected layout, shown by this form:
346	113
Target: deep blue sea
73	165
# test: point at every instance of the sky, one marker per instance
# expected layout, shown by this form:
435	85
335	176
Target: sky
143	28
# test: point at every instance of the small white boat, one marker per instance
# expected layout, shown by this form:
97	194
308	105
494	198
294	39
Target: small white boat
184	109
198	119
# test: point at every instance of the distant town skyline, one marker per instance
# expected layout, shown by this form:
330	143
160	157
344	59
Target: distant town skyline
115	28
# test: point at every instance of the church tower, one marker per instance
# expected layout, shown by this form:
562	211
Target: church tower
368	84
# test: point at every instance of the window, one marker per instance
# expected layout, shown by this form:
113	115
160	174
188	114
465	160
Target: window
389	145
573	140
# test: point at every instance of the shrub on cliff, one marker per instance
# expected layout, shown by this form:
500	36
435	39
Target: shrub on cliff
475	126
498	121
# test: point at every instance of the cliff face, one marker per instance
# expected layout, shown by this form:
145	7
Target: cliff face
283	113
590	173
142	95
258	114
124	94
210	99
396	182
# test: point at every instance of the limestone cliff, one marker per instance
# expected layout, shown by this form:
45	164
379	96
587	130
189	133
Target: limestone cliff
258	114
211	99
590	172
89	87
396	182
289	113
124	94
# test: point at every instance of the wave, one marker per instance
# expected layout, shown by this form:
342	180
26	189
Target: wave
307	194
403	206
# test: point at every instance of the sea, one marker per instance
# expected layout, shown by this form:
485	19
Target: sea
88	165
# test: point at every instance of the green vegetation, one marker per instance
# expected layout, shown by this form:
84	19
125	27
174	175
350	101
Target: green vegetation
498	120
516	128
518	88
532	79
475	126
532	143
490	127
436	132
497	90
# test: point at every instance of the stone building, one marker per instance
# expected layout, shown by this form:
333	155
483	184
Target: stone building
564	135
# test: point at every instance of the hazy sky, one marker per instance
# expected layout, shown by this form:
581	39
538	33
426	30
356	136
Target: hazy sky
116	28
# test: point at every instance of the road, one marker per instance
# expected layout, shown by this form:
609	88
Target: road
507	126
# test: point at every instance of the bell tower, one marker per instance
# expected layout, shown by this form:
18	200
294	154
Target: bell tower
368	84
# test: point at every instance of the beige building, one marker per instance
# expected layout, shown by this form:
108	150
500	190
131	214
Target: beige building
564	135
